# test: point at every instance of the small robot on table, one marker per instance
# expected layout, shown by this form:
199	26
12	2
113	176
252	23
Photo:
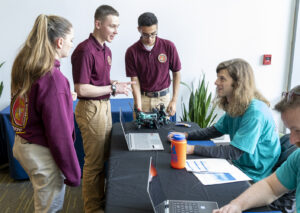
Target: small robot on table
152	120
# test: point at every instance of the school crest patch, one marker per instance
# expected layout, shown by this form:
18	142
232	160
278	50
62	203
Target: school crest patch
109	60
19	113
162	58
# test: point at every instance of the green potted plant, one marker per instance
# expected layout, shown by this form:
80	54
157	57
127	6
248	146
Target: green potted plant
200	109
1	84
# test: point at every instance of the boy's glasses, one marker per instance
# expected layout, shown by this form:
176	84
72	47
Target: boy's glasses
146	36
290	95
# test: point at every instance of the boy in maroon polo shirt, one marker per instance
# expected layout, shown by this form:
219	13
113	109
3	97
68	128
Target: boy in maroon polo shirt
148	62
91	63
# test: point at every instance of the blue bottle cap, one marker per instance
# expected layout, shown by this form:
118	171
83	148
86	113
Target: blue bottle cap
178	137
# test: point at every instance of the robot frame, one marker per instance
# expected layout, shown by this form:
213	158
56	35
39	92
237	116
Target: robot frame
154	119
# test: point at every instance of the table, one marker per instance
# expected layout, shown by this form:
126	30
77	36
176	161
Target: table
7	135
128	172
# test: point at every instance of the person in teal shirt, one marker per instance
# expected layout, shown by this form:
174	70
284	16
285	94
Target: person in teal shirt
287	176
255	134
255	146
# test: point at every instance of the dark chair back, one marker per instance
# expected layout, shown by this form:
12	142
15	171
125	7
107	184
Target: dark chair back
286	149
287	202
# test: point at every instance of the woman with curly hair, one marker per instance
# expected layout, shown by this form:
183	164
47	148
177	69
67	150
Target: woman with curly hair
287	176
255	146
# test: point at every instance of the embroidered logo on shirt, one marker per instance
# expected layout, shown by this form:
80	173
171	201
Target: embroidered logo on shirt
162	58
19	113
109	60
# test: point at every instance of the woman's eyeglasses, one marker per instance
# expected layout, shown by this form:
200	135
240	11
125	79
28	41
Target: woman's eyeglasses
290	95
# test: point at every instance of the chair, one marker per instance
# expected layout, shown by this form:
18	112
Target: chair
286	149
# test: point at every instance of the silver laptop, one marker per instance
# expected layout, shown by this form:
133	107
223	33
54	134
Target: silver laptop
161	205
141	141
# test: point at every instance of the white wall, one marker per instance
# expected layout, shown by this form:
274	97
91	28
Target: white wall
205	33
295	67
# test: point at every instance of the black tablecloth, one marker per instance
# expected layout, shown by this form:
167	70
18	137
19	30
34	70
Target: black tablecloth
126	189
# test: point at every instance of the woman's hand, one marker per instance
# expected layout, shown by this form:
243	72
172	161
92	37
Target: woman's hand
190	149
171	134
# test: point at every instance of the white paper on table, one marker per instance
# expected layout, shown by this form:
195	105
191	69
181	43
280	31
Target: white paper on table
223	139
215	171
208	165
220	178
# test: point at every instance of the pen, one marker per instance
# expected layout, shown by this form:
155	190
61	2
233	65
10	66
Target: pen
183	124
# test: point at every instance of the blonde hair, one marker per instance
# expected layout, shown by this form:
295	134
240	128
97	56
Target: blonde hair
244	89
37	55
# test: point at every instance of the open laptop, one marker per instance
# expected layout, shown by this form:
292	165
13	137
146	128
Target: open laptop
161	205
141	141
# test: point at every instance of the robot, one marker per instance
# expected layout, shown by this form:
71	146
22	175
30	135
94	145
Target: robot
154	119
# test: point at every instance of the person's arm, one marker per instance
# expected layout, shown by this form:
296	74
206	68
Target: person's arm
136	91
261	193
89	90
171	109
228	152
204	134
201	134
58	124
114	81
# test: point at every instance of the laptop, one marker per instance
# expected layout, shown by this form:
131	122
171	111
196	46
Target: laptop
161	205
141	141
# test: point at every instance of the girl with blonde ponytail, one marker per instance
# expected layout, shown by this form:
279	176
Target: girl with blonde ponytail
42	113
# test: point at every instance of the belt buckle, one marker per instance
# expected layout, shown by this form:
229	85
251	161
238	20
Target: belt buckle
151	94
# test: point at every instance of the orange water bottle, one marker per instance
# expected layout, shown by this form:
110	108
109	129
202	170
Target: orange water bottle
178	151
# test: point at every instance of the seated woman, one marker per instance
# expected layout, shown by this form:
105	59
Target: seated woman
254	146
287	176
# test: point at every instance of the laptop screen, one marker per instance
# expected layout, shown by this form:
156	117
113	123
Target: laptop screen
122	123
154	187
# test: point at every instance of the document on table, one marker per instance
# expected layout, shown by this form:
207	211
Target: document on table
223	139
215	171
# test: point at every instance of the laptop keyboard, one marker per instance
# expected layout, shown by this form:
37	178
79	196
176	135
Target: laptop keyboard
185	207
145	141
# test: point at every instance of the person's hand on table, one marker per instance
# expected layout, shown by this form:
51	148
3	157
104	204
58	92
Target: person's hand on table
229	208
190	149
170	135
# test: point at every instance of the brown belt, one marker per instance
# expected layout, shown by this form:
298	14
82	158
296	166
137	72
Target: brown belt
156	94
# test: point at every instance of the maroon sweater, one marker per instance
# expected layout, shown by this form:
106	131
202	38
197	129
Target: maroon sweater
45	117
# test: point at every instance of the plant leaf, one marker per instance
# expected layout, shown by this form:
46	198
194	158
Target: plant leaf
200	109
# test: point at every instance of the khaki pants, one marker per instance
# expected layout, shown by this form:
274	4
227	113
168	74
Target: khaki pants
94	121
149	103
46	178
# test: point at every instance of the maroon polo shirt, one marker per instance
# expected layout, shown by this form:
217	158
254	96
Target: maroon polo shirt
152	67
45	117
91	63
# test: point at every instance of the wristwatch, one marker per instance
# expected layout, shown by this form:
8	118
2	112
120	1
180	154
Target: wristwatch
113	88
